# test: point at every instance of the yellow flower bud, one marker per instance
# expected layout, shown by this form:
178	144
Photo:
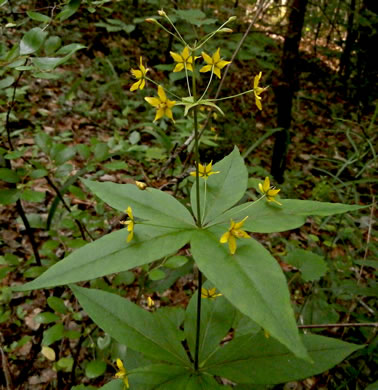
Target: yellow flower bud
162	13
231	19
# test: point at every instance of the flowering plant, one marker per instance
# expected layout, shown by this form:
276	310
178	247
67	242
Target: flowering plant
253	298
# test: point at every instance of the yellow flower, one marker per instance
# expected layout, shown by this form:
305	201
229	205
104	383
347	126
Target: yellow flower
162	104
204	170
184	60
214	63
268	191
140	75
258	90
233	233
130	224
122	374
210	294
150	302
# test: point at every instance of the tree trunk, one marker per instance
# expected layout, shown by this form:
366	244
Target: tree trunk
367	73
344	70
286	86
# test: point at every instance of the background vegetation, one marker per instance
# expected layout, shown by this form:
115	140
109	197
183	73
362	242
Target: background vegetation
75	117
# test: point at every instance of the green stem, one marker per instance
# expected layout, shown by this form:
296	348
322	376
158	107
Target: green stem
208	84
198	324
187	78
166	90
199	224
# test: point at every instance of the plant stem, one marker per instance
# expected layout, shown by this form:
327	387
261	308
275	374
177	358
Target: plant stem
199	223
198	324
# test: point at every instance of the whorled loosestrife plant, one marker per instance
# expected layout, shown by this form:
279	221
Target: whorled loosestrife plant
245	287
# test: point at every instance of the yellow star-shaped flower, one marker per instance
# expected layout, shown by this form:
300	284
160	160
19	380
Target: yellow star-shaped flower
258	90
268	191
184	60
162	104
140	75
130	224
122	374
214	63
204	170
150	302
210	294
233	233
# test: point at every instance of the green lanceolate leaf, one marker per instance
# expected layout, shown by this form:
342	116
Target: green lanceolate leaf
222	190
217	316
260	360
111	254
149	204
131	325
169	377
267	217
252	281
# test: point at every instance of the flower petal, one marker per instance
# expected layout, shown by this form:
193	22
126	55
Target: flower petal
159	114
225	237
179	67
217	72
161	93
216	56
232	244
154	101
238	225
137	73
222	64
266	184
206	68
135	85
207	58
176	57
185	53
168	113
142	83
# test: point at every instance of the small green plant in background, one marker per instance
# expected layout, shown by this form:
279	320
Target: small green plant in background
240	286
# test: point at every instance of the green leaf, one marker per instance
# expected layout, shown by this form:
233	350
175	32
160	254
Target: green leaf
32	41
53	334
267	217
68	10
169	377
176	262
65	364
217	316
33	196
7	82
156	274
256	359
38	17
95	369
223	189
50	63
9	196
52	44
149	204
8	175
57	304
252	281
116	165
311	265
111	254
46	318
131	325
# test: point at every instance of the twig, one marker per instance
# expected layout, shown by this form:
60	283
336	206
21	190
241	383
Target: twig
367	239
8	164
4	363
346	325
